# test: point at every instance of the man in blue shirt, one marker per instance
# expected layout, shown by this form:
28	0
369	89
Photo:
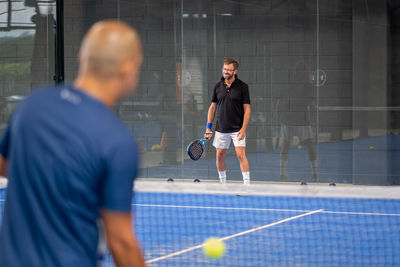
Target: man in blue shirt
70	162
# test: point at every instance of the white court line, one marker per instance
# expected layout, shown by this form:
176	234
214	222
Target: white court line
361	213
216	208
259	209
234	235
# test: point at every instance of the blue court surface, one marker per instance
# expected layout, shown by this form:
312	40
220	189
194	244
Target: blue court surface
266	230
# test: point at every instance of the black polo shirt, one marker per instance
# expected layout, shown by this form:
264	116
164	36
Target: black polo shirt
230	111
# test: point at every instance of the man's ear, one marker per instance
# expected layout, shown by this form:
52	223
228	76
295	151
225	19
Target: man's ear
124	69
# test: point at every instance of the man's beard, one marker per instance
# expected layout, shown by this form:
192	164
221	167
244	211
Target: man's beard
228	77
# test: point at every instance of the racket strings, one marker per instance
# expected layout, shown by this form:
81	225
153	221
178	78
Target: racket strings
196	150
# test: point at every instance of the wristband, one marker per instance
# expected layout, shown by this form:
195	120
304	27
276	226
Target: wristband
209	125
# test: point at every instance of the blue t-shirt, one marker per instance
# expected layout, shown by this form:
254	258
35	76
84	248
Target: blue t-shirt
69	157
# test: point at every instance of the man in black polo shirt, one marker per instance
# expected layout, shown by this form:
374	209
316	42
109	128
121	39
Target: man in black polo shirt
231	102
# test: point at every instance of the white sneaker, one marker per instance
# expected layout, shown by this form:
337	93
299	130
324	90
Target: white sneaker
246	182
222	180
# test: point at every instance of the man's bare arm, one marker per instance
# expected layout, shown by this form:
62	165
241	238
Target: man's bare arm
210	118
247	113
121	239
211	112
246	119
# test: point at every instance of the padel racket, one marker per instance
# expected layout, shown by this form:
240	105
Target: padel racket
196	148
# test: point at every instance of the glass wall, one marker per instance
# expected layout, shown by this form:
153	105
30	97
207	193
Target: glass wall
322	77
26	50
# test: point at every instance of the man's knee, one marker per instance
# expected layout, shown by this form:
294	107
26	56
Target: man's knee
220	155
241	155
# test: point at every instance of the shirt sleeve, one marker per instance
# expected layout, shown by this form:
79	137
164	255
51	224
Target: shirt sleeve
214	97
121	170
245	94
5	141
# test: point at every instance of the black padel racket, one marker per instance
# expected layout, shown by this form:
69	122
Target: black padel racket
196	148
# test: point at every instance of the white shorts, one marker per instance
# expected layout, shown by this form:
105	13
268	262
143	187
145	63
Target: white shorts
223	140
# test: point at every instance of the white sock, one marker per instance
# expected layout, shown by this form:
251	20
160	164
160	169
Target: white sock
222	176
246	177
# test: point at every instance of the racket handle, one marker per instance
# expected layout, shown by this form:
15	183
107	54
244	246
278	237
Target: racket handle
207	133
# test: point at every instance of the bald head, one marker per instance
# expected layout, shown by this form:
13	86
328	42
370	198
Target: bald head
106	46
110	58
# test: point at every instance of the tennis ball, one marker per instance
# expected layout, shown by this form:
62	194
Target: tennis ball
214	248
299	147
371	147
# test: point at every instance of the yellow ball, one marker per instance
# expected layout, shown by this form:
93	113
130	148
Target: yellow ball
371	147
214	248
299	147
